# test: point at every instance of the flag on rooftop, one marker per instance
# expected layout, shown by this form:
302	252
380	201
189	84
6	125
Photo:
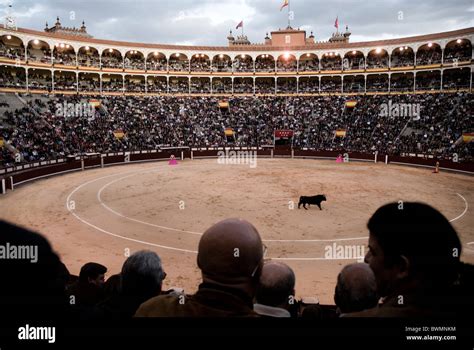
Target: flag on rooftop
286	3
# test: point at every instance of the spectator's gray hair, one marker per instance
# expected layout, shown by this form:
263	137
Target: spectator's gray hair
142	271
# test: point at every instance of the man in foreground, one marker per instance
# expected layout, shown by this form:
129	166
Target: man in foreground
230	256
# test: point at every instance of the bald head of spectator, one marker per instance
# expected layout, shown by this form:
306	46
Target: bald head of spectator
277	285
230	254
356	289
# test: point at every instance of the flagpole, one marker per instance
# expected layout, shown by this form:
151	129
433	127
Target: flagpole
289	13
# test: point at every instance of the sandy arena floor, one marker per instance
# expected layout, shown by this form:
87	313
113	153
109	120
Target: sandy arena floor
155	206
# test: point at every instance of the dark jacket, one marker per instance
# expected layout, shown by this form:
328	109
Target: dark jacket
209	301
416	305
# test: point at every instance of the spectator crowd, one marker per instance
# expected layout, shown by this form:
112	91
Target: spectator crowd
429	124
413	256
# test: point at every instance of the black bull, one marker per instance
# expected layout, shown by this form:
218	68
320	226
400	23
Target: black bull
315	200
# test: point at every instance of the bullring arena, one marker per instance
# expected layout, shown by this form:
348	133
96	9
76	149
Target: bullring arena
88	125
103	214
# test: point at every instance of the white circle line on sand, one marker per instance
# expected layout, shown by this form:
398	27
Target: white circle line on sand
192	251
99	198
131	173
91	181
110	233
131	239
464	212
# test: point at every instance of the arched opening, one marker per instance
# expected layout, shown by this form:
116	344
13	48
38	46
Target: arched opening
39	51
403	56
222	63
134	59
112	58
377	59
331	61
353	60
243	63
11	47
459	50
88	56
64	55
428	54
286	63
200	63
156	61
309	62
265	64
178	62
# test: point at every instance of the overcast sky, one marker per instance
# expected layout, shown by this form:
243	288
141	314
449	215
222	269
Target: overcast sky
207	22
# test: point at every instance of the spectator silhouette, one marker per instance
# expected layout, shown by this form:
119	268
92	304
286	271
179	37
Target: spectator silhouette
89	289
356	289
230	256
33	287
141	279
276	291
112	285
414	254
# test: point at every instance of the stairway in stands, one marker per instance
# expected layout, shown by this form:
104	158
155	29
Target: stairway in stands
8	102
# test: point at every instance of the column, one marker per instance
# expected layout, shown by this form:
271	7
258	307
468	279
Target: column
441	85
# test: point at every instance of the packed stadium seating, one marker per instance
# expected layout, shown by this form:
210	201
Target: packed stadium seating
39	132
